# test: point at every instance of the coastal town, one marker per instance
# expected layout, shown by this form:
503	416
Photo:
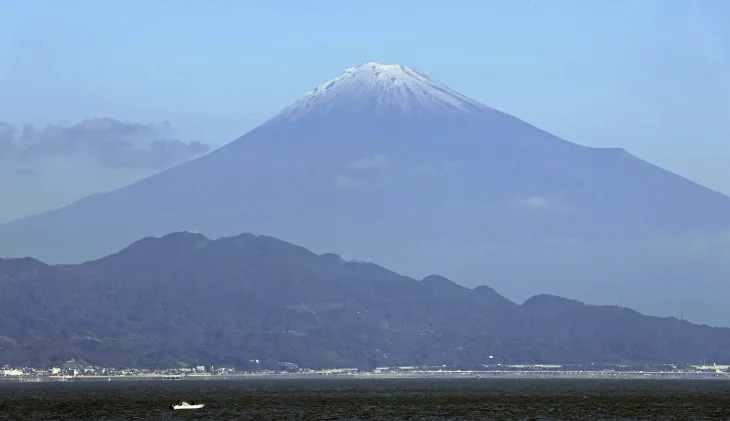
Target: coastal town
75	371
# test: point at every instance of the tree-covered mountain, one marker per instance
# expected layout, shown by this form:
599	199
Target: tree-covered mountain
186	299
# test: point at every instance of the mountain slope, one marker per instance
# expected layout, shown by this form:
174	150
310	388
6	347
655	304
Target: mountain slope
386	164
185	299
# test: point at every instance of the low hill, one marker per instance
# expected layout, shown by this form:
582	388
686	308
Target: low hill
186	299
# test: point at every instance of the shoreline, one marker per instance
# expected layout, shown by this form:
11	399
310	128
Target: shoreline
481	375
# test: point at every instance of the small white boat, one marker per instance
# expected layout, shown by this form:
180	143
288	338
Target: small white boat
186	405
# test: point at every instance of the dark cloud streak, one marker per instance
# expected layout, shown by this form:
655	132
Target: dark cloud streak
7	134
108	141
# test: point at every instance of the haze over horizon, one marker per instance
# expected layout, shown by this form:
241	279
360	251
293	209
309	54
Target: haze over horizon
650	77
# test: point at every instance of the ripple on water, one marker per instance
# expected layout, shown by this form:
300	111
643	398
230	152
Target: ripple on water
371	399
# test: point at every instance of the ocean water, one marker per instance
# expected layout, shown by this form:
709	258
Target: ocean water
371	399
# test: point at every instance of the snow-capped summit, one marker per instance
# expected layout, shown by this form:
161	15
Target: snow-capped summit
385	87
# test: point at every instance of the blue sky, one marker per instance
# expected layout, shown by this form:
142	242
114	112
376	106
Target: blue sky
652	76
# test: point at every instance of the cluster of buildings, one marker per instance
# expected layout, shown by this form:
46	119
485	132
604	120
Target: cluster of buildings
72	370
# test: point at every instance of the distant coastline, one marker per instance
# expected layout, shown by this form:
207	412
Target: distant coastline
485	375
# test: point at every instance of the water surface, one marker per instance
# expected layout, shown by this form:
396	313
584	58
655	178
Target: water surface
371	399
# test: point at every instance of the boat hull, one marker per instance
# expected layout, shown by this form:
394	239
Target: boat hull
198	406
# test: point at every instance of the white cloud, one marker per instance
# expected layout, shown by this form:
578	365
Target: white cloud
544	205
567	242
428	168
377	162
452	205
724	237
346	182
713	242
435	167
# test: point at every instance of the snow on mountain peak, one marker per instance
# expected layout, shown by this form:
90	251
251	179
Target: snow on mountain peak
385	87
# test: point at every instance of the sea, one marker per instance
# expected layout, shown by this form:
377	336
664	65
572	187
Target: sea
371	399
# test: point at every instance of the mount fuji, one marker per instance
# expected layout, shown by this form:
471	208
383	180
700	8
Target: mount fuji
384	163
